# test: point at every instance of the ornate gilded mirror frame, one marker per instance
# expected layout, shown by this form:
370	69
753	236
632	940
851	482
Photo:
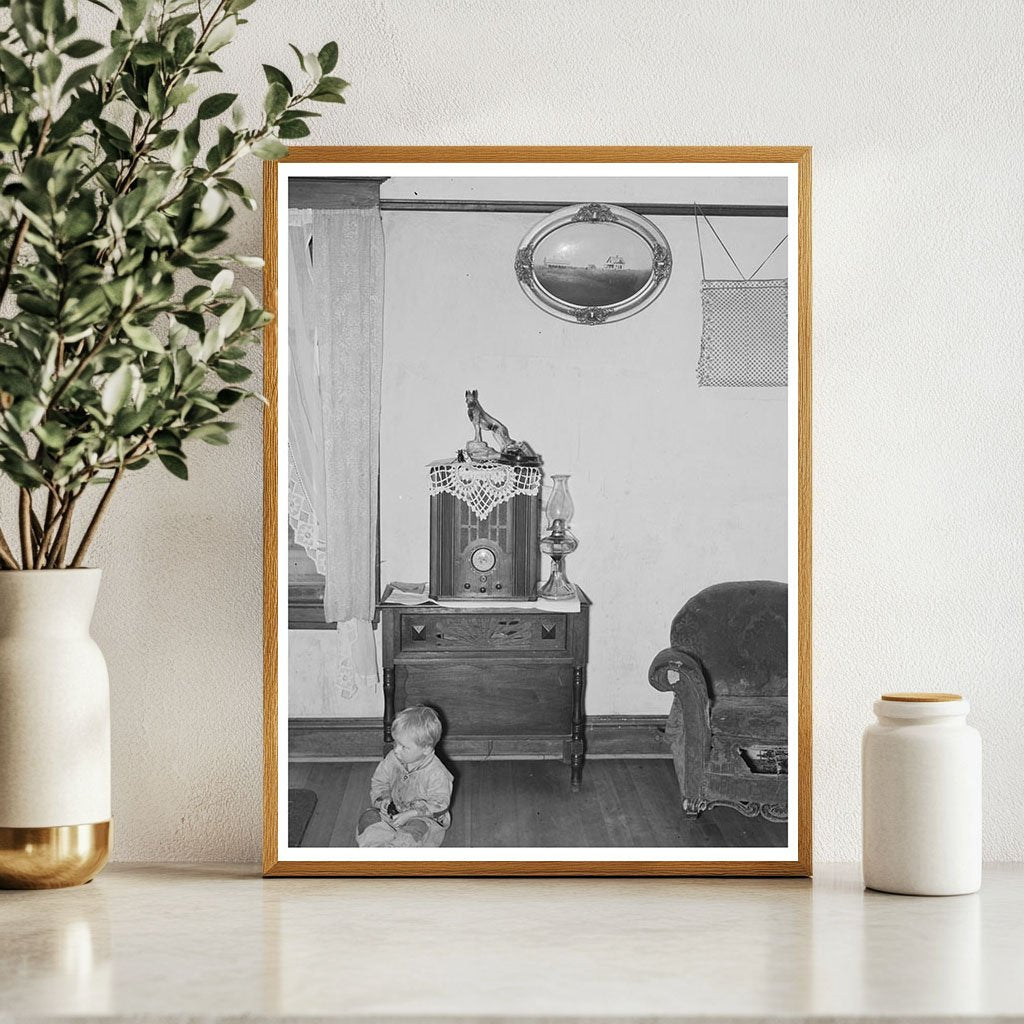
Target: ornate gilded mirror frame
574	220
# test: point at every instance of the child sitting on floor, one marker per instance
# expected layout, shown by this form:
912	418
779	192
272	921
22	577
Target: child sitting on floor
410	790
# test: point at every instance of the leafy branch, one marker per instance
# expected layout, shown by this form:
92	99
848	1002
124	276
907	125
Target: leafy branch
124	335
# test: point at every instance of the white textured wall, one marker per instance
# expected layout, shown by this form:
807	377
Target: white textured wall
913	110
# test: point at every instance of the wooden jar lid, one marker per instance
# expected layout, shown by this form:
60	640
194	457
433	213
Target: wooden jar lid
921	698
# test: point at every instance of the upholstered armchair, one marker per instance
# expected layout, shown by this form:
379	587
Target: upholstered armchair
727	728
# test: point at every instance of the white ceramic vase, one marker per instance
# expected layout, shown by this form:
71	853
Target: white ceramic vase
54	731
921	774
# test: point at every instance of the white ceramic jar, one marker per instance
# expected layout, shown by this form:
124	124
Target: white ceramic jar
921	779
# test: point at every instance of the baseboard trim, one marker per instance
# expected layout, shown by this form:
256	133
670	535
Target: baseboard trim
360	739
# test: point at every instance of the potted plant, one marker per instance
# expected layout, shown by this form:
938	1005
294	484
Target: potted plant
122	340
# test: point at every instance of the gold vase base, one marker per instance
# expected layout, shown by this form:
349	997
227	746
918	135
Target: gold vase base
53	857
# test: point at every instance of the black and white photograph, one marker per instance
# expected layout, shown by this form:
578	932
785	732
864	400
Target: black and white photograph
539	558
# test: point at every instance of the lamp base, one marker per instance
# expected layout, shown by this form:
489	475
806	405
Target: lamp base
557	586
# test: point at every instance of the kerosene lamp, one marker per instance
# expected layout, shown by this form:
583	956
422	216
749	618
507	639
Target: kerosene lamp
558	543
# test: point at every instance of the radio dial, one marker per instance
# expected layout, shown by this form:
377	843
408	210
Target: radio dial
483	559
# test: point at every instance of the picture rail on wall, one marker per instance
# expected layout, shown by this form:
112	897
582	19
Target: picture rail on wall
537	501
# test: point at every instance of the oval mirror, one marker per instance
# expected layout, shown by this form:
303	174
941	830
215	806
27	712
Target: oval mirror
593	263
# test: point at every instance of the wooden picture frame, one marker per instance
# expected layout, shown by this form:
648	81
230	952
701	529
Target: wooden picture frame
792	162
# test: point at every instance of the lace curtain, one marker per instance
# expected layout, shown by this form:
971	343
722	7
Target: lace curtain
305	422
335	314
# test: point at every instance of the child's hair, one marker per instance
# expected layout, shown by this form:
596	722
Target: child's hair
419	723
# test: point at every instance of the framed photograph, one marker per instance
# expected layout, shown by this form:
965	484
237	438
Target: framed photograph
537	511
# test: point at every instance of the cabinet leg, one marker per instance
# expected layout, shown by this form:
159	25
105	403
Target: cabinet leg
578	745
389	706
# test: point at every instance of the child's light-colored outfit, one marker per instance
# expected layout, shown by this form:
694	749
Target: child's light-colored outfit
425	787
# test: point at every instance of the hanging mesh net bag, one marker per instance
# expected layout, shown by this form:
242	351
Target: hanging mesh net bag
745	334
744	339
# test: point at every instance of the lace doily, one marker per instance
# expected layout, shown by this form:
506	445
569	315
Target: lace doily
483	487
303	521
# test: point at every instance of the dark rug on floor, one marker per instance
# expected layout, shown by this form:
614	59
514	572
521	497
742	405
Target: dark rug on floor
301	804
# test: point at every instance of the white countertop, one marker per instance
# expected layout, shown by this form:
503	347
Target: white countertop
181	941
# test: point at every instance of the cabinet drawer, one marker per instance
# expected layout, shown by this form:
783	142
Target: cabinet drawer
507	632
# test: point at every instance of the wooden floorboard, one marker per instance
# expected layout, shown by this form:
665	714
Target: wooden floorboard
355	799
329	786
498	803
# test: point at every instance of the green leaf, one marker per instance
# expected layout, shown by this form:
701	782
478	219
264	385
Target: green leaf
228	397
276	99
53	14
181	94
83	48
193	379
232	319
269	149
65	27
116	390
211	433
311	65
11	443
175	465
292	130
232	373
26	414
133	12
26	21
216	104
129	207
21	471
107	67
275	76
163	139
53	435
196	296
328	57
221	35
144	338
11	356
164	375
327	96
49	68
38	305
222	281
156	101
16	70
184	44
149	53
128	421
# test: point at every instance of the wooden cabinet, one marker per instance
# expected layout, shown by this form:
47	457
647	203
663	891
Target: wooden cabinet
518	674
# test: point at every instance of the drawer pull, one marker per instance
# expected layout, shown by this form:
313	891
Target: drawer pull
548	632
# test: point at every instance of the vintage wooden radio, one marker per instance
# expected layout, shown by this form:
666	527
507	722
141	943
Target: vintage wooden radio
496	558
485	517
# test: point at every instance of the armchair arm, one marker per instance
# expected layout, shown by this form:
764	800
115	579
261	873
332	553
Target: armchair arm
676	670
